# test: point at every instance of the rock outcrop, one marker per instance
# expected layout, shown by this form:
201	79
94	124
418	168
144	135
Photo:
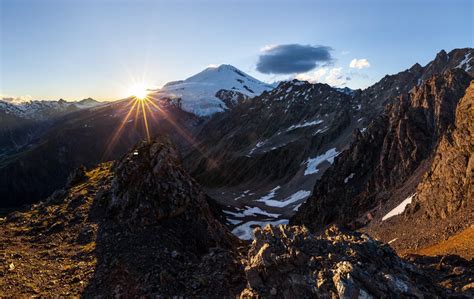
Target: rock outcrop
291	262
168	233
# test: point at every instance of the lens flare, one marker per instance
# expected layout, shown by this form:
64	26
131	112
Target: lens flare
143	110
138	91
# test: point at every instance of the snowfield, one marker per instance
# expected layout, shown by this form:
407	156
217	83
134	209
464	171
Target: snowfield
464	64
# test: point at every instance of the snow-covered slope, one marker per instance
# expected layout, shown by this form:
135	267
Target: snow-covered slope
199	94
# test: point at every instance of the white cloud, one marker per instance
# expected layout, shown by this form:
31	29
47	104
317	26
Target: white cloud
335	77
313	77
359	63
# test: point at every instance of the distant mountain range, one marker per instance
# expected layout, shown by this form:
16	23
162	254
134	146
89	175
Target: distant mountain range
21	122
44	110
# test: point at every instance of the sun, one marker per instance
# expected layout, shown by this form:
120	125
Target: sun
139	91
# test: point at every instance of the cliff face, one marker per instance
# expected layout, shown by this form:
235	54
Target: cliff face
443	204
448	186
392	152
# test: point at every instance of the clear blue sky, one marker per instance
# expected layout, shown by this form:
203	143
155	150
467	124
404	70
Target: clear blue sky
79	48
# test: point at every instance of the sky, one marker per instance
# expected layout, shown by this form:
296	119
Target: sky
74	49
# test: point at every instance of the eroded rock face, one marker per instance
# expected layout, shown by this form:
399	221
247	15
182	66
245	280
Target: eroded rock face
448	186
443	201
291	262
387	155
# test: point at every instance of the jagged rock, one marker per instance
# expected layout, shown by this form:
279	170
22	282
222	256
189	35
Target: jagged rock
57	196
290	261
86	235
189	252
443	204
231	98
229	140
138	227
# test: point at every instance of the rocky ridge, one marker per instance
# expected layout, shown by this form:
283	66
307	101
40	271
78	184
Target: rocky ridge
394	151
443	203
137	226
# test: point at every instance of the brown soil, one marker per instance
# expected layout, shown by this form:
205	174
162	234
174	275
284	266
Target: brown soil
39	254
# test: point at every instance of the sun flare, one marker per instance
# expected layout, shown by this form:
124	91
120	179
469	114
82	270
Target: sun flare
139	91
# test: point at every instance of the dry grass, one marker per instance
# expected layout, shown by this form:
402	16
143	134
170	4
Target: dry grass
461	244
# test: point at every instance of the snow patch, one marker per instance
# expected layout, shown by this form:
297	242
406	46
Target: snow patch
258	145
399	209
348	178
251	211
313	163
270	195
297	207
301	194
234	221
464	63
305	124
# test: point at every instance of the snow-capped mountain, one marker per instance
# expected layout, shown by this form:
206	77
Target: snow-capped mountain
41	110
213	90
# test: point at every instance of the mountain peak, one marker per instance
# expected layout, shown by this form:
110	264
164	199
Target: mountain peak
223	67
200	93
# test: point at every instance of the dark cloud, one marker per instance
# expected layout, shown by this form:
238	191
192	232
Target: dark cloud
293	58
